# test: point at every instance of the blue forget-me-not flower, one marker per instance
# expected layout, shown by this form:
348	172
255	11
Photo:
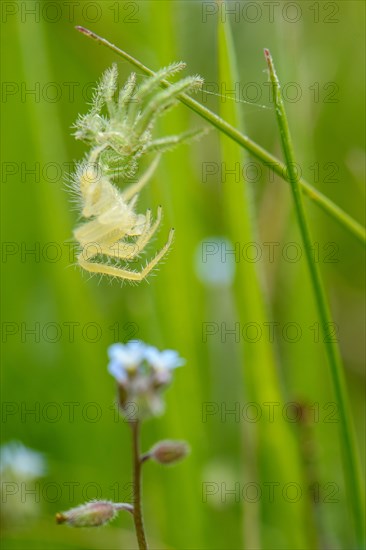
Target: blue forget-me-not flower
142	372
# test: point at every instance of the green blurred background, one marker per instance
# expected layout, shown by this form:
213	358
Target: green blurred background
48	71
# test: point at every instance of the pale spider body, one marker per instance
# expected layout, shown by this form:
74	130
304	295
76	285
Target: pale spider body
112	231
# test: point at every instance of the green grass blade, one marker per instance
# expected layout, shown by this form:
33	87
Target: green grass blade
256	150
276	455
351	464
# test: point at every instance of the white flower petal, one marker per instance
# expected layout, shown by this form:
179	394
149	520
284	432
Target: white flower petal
118	372
163	360
114	350
129	355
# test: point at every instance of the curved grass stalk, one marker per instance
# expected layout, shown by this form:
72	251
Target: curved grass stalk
256	150
351	464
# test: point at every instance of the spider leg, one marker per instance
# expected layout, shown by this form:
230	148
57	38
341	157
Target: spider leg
96	267
113	245
95	232
135	188
127	251
96	238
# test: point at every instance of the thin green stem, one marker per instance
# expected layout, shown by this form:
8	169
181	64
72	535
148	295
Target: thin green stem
137	506
256	150
351	465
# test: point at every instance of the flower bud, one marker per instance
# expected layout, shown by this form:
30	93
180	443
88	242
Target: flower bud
168	452
91	514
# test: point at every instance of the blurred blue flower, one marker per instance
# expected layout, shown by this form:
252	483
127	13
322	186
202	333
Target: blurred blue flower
142	372
20	461
163	362
215	261
125	358
19	466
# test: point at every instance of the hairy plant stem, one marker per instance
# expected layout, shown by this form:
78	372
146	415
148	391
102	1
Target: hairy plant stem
137	507
351	464
256	150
